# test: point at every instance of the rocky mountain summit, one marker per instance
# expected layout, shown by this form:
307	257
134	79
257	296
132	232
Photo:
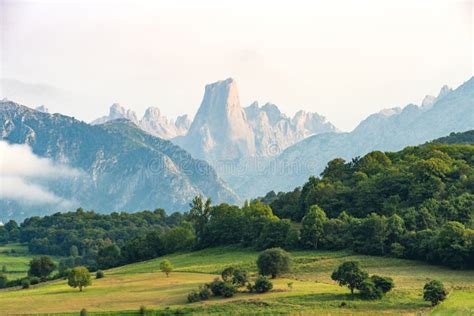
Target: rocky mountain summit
152	121
224	131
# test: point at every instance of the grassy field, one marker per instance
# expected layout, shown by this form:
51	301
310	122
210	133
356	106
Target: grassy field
127	288
16	261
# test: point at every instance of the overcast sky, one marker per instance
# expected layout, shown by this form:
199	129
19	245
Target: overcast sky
342	59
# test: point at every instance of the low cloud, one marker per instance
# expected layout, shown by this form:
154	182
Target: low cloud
23	176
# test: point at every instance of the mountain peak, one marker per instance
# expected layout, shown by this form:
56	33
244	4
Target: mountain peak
220	130
152	113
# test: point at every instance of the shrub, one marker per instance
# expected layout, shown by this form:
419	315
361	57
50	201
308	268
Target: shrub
383	283
142	310
204	293
262	285
274	262
369	291
25	284
217	287
194	297
434	292
3	280
99	274
228	290
34	280
228	274
239	278
83	312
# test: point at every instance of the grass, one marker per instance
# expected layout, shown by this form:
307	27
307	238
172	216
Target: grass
125	289
16	262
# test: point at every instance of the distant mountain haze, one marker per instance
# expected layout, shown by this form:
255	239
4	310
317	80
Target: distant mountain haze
388	130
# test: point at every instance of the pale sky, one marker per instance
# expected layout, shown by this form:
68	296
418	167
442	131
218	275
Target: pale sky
342	59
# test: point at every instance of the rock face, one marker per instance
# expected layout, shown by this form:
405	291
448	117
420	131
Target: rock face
125	168
152	121
220	130
274	131
429	100
224	131
116	112
388	130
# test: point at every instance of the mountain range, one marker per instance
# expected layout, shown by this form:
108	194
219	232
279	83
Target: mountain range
152	121
388	130
129	163
122	167
223	130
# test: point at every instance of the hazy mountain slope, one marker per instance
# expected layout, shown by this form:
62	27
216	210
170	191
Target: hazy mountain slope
388	130
125	168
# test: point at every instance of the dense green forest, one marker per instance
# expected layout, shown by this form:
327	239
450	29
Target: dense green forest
417	203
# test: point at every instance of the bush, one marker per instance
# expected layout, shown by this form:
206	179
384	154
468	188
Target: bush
434	292
274	262
228	289
228	274
234	276
262	285
3	280
240	278
34	280
194	297
204	293
383	283
99	274
217	287
25	284
142	310
369	291
83	312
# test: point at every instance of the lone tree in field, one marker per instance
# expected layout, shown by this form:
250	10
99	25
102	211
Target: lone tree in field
166	267
79	277
434	292
274	262
349	273
41	267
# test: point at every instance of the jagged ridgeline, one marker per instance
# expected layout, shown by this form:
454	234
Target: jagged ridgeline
120	166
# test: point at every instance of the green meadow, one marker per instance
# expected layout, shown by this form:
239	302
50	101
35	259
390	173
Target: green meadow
125	289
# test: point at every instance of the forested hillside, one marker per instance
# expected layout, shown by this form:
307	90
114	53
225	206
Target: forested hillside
457	138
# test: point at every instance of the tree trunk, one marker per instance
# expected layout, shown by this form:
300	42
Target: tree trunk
80	288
